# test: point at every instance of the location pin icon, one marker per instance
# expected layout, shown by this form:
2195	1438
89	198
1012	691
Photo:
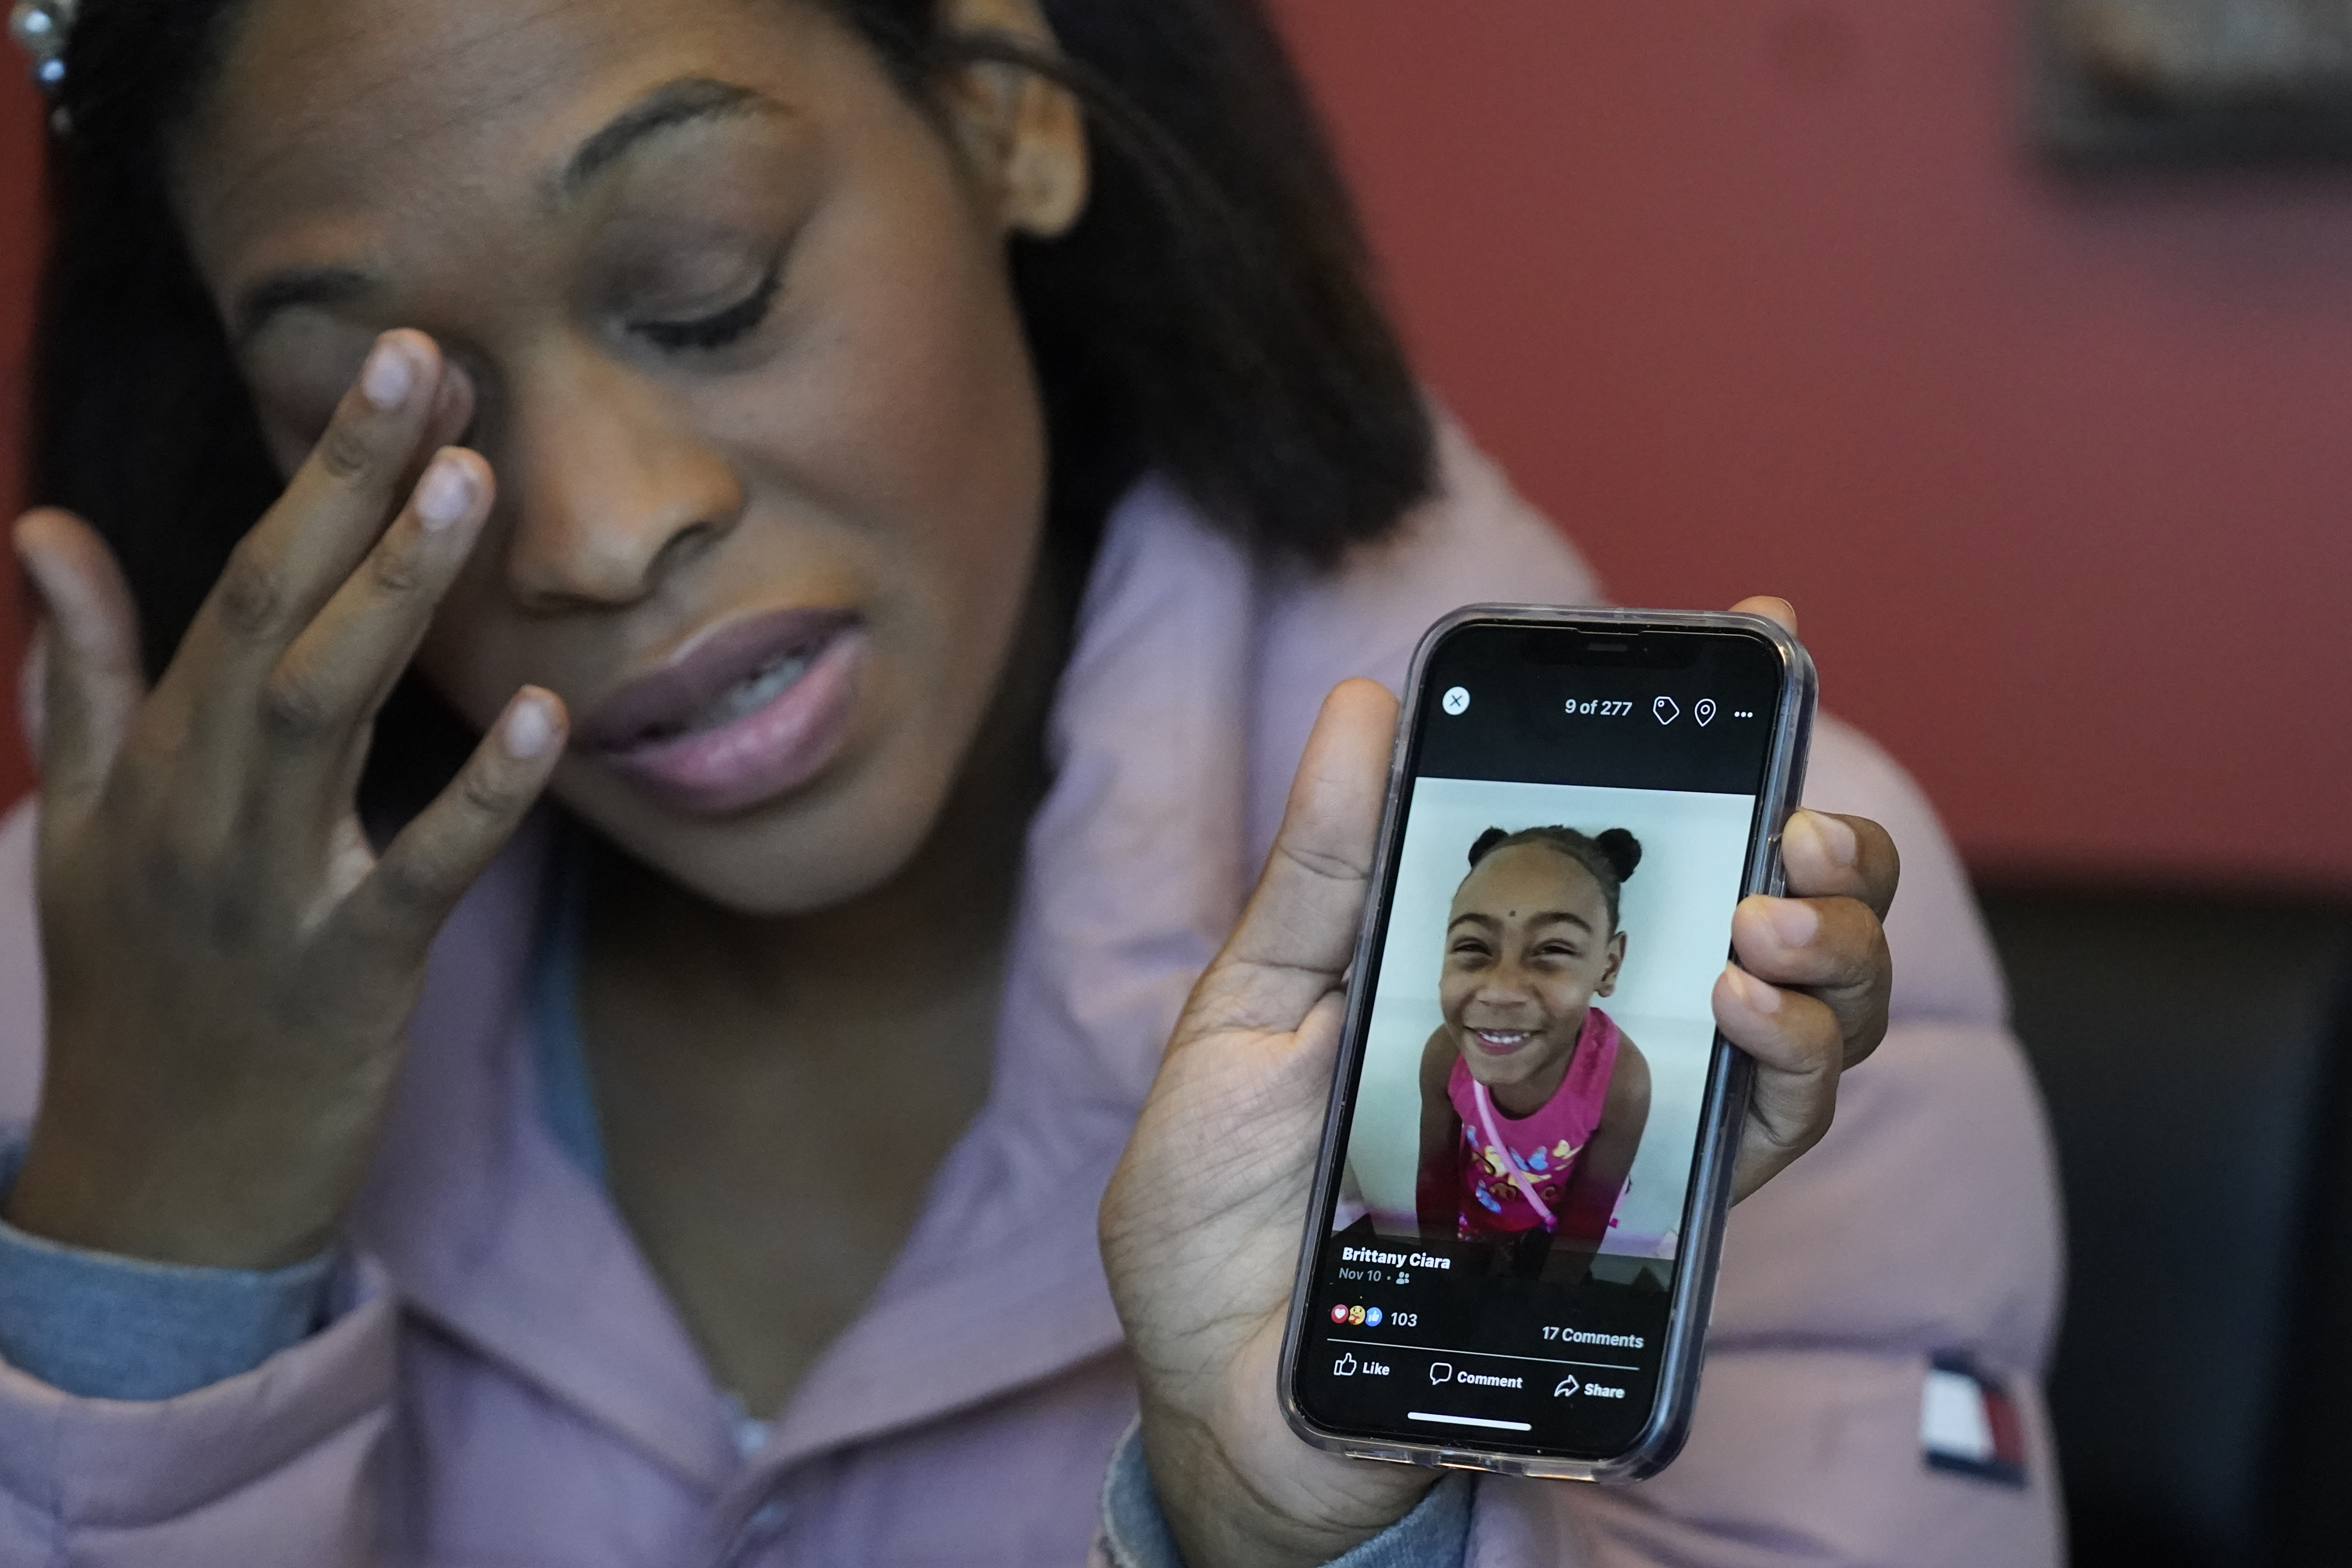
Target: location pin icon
1704	710
1666	709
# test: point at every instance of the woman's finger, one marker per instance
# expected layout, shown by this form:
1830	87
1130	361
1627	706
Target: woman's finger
1294	939
1833	950
1825	856
339	502
429	867
94	682
1799	1049
318	701
1771	609
454	404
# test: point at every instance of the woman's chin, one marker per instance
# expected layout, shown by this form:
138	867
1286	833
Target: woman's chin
794	858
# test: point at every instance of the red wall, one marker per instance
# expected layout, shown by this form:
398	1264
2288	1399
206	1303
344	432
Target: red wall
1767	298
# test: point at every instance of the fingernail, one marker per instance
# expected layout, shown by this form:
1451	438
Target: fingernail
1757	996
1793	921
29	560
1834	836
36	567
20	544
390	376
530	729
444	494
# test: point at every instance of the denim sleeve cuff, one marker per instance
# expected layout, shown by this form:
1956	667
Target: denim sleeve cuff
1436	1534
100	1327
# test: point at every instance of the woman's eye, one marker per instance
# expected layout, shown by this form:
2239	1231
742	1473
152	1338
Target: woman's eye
721	328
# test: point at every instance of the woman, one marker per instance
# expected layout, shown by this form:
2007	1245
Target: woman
899	477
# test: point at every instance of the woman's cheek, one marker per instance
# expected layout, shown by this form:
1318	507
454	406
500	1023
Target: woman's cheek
471	667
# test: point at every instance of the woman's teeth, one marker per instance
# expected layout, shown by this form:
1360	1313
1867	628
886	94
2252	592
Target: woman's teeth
747	695
1504	1040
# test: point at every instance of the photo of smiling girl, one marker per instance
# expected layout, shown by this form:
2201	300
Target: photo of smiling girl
1533	1099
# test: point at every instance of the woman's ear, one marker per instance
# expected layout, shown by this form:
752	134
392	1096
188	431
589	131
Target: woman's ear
1024	134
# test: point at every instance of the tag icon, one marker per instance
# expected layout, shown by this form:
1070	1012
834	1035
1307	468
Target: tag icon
1704	710
1667	710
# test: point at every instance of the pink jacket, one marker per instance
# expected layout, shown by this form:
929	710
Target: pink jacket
504	1383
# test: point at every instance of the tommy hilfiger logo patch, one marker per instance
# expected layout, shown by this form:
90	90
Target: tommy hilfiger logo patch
1969	1425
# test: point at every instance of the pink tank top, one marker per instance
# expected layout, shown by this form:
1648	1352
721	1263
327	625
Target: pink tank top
1516	1170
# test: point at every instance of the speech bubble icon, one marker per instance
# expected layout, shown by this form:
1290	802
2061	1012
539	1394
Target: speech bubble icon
1704	710
1440	1372
1666	709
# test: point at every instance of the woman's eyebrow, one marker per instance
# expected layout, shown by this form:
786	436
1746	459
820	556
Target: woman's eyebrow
686	102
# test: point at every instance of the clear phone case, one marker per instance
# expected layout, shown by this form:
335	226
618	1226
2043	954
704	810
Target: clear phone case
1724	1108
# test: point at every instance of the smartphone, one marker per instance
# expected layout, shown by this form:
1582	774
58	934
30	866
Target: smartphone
1518	1207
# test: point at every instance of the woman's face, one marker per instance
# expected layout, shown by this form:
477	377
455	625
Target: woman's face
744	356
1528	947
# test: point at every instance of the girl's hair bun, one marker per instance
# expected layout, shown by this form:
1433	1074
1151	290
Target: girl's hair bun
1623	849
1610	855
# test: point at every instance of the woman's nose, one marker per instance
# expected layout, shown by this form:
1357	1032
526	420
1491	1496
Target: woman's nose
604	488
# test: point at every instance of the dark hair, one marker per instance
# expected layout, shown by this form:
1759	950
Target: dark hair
1208	316
1610	855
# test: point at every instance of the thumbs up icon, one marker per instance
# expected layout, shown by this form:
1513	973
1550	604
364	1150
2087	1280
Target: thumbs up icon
1345	1366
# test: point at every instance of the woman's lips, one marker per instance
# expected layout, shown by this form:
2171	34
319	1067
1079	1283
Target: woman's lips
740	715
1501	1042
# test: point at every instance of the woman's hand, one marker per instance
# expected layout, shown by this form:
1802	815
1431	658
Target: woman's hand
1808	996
1201	1227
229	968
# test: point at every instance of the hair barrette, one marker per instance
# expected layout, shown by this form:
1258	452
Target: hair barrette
40	28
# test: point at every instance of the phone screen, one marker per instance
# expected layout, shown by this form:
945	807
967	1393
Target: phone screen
1522	1122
